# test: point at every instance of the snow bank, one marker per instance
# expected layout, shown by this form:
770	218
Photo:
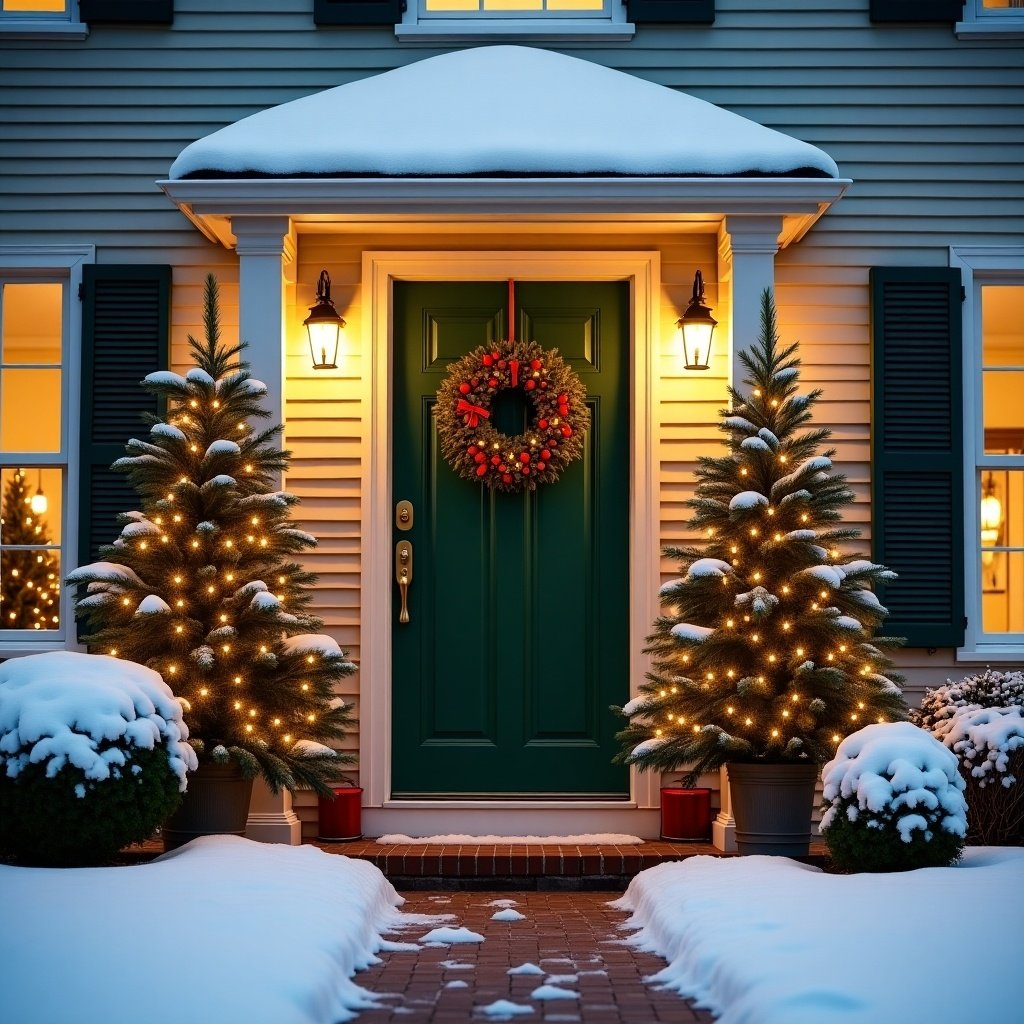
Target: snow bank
63	708
765	940
222	929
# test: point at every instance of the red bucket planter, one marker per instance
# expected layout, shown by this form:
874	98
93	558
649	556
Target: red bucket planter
340	817
685	814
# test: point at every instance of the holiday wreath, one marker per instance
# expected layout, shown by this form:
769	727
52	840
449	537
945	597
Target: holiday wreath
476	450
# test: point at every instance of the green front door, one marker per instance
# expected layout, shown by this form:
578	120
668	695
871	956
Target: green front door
518	631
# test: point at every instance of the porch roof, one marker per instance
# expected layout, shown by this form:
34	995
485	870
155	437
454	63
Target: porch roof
499	111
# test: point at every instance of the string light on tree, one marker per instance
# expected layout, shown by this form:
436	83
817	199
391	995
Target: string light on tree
768	515
192	607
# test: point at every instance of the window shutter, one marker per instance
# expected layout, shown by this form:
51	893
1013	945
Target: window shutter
153	12
358	12
125	327
916	10
917	509
671	12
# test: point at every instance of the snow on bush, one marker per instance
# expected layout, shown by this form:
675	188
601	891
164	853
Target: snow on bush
893	801
980	720
93	755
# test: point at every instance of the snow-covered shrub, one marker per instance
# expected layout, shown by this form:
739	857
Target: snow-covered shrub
893	801
92	757
980	719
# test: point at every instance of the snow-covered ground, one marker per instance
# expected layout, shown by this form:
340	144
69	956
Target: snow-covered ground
220	930
766	940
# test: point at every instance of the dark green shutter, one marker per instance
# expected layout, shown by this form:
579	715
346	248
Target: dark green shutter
917	509
358	12
916	10
671	12
152	12
125	327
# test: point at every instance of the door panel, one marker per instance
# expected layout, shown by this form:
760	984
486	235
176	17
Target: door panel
518	633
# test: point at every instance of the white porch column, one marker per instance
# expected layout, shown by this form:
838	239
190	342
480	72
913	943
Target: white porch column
746	256
723	828
266	253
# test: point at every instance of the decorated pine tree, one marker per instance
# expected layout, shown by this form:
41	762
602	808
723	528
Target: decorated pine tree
29	579
202	584
766	649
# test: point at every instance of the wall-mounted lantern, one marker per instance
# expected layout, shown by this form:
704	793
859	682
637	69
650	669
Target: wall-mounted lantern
323	325
697	326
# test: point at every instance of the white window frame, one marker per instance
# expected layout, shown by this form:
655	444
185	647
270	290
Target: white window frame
981	265
43	24
64	264
419	25
980	22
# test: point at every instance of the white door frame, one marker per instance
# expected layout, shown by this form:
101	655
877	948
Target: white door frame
642	270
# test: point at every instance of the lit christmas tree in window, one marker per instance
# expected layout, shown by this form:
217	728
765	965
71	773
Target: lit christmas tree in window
766	649
29	579
202	585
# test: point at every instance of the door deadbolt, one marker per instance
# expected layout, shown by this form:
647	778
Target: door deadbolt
403	515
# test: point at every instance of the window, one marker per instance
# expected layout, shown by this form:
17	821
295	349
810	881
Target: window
38	371
535	20
32	19
994	474
992	19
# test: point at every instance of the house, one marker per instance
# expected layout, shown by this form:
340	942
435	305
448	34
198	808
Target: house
861	158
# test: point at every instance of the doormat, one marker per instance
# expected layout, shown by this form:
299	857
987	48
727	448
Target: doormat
598	839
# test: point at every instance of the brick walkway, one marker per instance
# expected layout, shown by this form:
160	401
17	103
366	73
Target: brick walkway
565	933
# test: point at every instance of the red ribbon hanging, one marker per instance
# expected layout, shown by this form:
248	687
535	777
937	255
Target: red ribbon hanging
513	365
511	310
471	413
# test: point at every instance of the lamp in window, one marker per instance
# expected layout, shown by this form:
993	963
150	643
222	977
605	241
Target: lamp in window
323	326
991	519
697	327
39	504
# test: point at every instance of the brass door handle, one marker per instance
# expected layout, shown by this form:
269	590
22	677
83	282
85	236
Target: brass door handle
403	576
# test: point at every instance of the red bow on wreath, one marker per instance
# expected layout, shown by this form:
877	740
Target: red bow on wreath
471	413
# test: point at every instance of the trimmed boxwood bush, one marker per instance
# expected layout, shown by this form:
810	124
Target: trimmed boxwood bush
93	756
893	801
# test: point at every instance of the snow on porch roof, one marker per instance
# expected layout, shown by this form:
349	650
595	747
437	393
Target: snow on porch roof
499	111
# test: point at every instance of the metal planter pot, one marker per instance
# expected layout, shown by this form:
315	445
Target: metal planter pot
215	804
773	805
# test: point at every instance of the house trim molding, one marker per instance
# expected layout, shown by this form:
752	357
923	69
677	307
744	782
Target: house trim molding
380	269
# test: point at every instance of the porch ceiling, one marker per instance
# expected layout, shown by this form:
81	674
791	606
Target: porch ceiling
500	131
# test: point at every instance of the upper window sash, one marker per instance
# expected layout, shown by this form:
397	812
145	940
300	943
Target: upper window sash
550	20
25	19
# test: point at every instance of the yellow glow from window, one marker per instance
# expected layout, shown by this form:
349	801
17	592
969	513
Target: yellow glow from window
36	6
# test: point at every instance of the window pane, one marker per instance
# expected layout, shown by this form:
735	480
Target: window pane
35	6
1001	505
29	590
32	323
30	410
31	506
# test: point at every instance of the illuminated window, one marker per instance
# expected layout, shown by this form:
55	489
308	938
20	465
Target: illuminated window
992	19
30	19
515	19
33	455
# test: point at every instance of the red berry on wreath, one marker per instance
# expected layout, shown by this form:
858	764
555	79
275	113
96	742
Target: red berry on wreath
563	398
535	364
507	478
524	457
476	382
543	385
526	470
472	449
495	355
487	360
563	410
480	457
541	466
493	382
495	460
530	385
465	389
503	468
545	454
566	430
480	470
502	364
542	424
